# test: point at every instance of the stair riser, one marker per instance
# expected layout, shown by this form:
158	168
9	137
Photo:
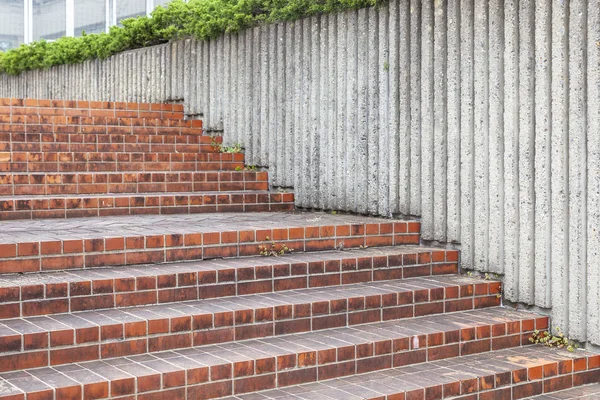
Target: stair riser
72	135
24	122
87	157
114	166
81	107
144	147
16	132
141	142
75	254
143	205
369	356
104	188
130	182
119	162
101	293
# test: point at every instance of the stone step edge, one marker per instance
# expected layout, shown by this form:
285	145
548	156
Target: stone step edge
90	335
282	361
151	284
68	254
551	373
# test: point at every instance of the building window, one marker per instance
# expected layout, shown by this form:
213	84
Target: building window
90	16
49	19
25	21
129	9
161	3
12	30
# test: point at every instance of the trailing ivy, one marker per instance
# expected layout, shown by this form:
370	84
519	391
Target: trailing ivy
202	19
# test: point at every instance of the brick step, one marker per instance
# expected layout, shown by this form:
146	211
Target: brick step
61	124
586	392
91	335
159	284
19	184
30	245
99	130
119	162
76	206
502	375
90	108
89	143
37	122
212	371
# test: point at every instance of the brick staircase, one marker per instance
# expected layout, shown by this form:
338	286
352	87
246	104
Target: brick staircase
163	306
82	159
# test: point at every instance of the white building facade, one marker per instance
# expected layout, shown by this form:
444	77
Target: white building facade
26	21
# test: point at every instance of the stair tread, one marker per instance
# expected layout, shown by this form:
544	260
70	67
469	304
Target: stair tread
253	350
202	265
123	226
426	378
253	302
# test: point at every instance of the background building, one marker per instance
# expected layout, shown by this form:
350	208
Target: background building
25	21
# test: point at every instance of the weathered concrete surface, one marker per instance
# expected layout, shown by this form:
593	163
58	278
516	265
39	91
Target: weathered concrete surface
482	117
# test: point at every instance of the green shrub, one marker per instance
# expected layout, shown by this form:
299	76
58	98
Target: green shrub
202	19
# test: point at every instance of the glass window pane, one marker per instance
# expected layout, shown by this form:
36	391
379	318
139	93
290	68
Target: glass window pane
49	19
90	16
11	24
130	8
161	3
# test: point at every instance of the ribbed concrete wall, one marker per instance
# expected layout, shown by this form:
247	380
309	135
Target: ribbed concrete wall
481	116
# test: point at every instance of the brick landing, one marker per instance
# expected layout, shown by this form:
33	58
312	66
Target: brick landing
29	246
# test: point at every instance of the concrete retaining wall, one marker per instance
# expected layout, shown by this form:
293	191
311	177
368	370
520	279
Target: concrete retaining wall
482	117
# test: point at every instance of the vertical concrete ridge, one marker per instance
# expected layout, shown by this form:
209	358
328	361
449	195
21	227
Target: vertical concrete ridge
543	132
330	63
496	136
384	135
481	132
399	112
374	109
314	120
593	159
467	132
453	88
511	148
440	121
342	118
362	113
577	77
560	164
415	107
351	124
526	151
427	119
